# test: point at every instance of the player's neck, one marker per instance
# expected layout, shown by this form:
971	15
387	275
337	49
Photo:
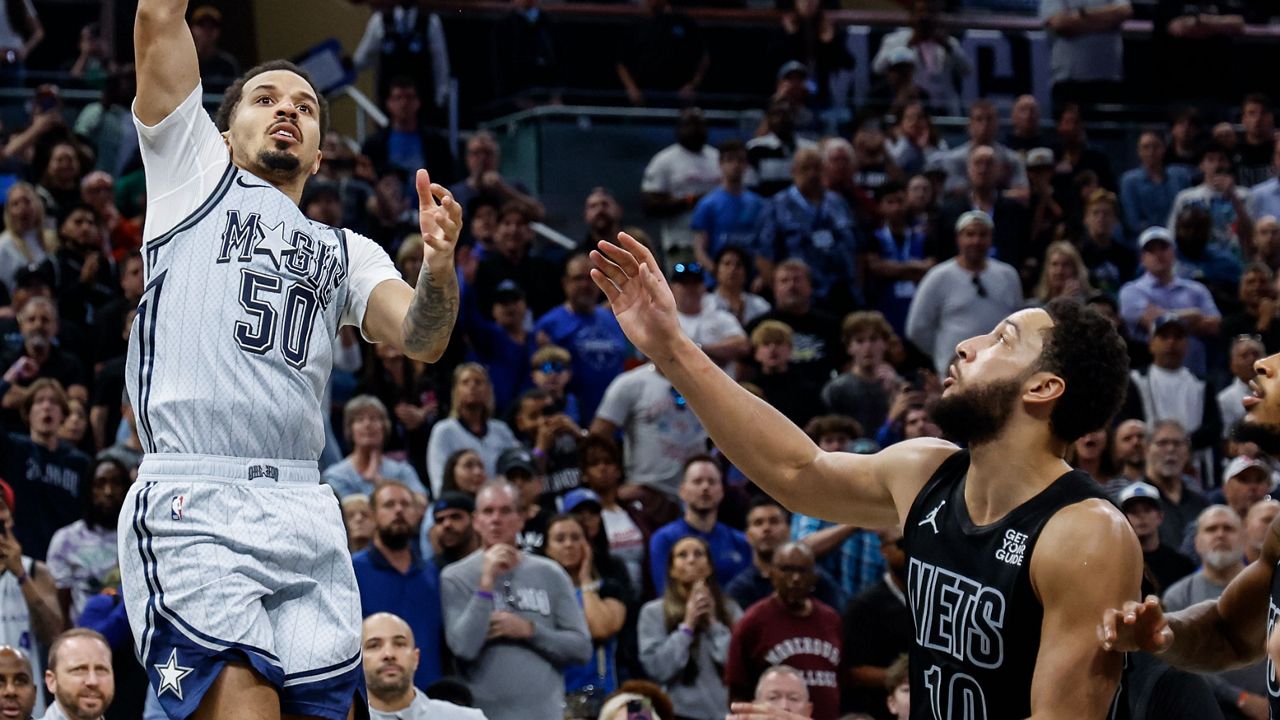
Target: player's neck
292	188
392	704
1010	470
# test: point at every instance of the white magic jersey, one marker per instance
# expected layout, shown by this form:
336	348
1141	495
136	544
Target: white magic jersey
232	345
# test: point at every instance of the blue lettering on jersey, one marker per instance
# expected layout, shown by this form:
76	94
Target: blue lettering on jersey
239	236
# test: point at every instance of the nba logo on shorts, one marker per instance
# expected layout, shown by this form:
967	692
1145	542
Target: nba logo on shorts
175	507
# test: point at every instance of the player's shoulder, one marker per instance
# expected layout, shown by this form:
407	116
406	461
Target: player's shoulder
921	456
1090	538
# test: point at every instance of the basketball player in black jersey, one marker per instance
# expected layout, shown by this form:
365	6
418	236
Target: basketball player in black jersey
1231	631
1012	555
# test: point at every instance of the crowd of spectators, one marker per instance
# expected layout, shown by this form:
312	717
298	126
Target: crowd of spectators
539	525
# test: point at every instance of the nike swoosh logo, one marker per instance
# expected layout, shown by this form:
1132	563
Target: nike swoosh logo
240	181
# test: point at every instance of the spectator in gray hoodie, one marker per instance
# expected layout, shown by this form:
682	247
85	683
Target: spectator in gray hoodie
511	619
684	635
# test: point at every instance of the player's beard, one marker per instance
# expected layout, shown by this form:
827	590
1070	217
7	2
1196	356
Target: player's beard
278	165
977	415
1265	435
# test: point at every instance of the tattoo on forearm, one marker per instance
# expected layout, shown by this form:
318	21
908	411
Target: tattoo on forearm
429	322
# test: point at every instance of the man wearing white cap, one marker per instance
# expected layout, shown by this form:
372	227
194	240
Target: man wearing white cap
1159	291
1140	502
1246	482
964	296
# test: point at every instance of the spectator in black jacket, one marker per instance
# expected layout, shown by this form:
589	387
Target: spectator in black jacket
538	277
406	143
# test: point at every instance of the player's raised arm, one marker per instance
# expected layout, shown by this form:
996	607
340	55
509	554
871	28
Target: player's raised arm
165	54
864	490
420	321
1074	677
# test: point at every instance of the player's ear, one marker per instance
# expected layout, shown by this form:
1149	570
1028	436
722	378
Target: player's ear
226	140
319	158
1044	387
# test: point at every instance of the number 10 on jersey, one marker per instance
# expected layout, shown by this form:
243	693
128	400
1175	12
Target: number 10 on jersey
959	698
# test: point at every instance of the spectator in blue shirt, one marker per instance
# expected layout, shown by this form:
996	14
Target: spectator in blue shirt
701	492
393	578
730	214
815	225
896	260
502	343
589	332
367	425
1147	191
1160	291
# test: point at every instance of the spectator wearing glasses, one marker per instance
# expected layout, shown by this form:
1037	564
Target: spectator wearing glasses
964	296
552	372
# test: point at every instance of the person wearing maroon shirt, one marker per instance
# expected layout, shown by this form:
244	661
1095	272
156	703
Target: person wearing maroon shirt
790	627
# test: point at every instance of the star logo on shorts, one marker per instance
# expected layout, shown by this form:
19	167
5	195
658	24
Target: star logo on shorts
171	674
272	243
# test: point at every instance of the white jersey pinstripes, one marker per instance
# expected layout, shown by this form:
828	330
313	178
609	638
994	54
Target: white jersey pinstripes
232	345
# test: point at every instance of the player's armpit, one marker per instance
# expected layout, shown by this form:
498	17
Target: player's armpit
1086	560
165	55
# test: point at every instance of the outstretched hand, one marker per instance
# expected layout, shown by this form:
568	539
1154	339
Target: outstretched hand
638	294
1136	626
440	219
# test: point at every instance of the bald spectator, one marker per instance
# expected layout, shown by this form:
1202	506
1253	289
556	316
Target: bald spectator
790	627
1011	223
984	128
511	615
965	296
812	224
391	658
18	689
79	677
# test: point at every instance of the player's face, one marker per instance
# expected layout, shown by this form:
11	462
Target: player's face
987	378
784	691
767	528
83	681
17	687
565	541
390	659
702	489
275	130
1261	422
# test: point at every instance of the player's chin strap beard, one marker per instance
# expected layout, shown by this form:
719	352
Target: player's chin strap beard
279	165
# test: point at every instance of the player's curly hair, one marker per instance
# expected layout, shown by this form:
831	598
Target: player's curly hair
1086	351
231	99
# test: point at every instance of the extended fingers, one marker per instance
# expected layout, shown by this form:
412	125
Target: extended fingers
627	261
641	253
606	285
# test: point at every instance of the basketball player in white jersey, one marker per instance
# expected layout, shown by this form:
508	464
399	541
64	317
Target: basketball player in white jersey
235	571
